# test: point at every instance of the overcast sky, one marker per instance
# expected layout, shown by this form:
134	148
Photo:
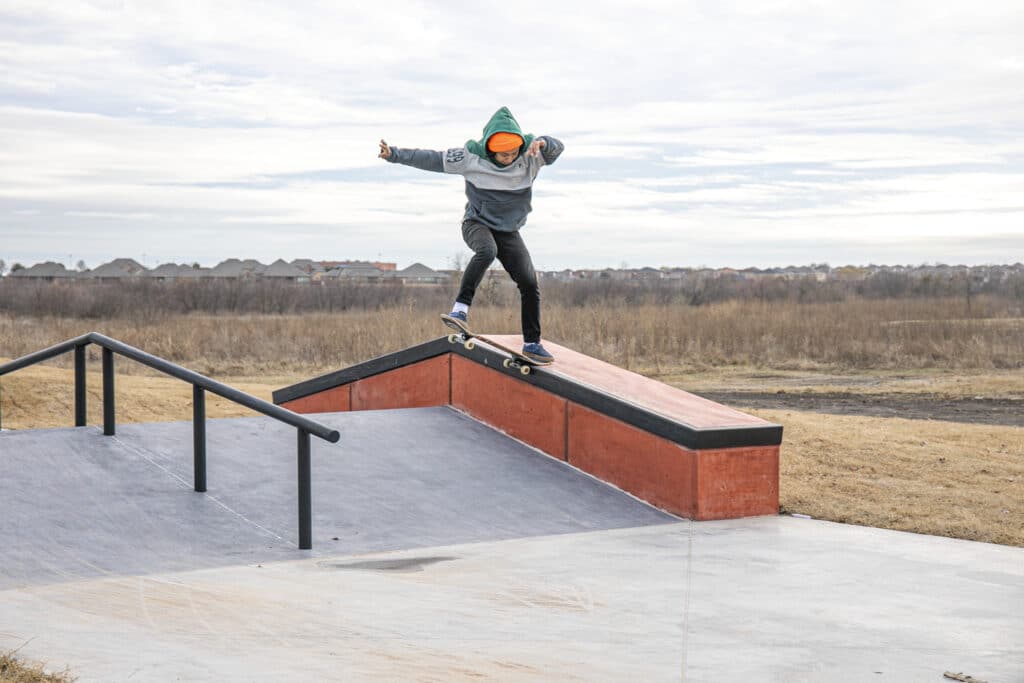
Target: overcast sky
762	133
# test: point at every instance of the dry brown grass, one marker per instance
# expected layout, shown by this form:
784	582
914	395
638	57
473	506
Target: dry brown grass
784	335
854	334
940	478
42	396
13	670
926	383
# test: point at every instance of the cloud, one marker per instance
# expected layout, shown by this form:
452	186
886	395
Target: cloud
696	133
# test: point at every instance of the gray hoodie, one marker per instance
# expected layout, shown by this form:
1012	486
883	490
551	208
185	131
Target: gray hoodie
498	196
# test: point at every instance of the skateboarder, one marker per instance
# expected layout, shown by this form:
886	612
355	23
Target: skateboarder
499	169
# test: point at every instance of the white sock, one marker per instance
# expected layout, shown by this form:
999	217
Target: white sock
460	308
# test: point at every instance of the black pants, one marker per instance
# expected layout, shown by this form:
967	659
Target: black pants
510	250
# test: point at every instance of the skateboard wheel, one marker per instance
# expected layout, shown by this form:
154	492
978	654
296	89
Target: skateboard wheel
525	369
470	344
452	338
507	363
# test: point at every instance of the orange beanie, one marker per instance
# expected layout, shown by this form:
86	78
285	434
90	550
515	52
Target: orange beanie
504	142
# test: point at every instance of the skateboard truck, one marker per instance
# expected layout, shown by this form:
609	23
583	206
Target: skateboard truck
469	342
524	369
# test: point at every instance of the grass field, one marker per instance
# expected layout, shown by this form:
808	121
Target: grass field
857	334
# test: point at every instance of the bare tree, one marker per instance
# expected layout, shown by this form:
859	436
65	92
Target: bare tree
458	262
3	267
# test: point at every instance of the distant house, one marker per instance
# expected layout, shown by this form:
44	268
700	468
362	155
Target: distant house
557	275
677	274
850	273
282	271
240	270
588	274
118	270
168	272
646	273
165	271
186	272
419	274
354	273
612	274
48	271
308	266
379	265
253	266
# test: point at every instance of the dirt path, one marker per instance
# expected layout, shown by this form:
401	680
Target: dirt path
981	410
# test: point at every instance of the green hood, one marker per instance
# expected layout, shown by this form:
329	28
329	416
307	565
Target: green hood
501	122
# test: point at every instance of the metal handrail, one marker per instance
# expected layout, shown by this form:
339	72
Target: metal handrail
200	385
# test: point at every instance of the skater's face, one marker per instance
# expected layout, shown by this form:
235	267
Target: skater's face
506	158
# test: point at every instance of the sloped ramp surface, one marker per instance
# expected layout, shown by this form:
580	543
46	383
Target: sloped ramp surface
75	504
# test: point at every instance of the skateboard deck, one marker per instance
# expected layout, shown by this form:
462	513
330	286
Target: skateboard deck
466	337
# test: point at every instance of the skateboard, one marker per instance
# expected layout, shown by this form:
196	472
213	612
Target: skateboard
467	338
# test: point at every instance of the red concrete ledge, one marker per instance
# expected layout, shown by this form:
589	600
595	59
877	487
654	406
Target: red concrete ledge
680	452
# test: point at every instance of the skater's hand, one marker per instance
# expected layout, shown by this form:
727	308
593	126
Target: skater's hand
535	147
385	151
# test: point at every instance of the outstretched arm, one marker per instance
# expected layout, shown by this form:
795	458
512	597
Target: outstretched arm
424	159
547	147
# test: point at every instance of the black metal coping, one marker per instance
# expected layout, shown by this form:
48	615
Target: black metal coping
391	361
695	438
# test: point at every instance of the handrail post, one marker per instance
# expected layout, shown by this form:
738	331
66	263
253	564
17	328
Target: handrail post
80	386
200	384
199	437
305	493
108	392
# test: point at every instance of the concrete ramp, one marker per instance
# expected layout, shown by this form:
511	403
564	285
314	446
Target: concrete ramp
75	504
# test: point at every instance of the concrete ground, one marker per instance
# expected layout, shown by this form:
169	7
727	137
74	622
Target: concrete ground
460	554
